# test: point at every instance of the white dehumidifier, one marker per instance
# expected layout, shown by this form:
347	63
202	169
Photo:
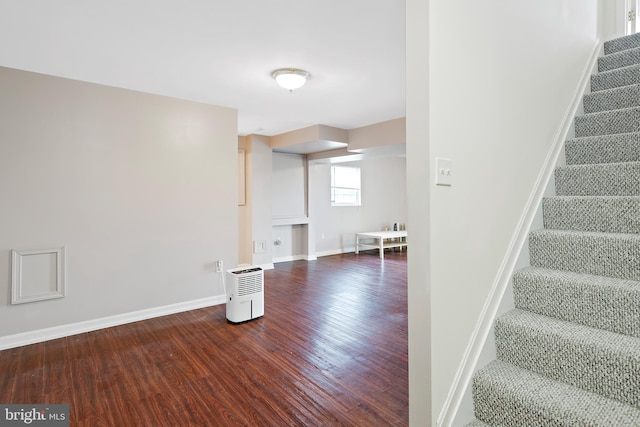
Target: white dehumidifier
245	294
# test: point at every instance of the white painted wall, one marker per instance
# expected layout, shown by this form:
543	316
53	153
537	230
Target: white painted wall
141	189
493	84
384	201
288	186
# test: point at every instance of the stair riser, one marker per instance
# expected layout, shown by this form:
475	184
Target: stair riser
603	149
605	304
614	99
609	371
616	78
600	255
610	122
612	179
619	59
599	214
622	43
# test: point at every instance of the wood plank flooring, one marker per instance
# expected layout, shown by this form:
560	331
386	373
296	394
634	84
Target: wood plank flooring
331	350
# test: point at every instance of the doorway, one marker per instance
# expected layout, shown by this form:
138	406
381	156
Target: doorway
632	10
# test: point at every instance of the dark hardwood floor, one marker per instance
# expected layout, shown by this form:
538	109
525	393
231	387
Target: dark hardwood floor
331	349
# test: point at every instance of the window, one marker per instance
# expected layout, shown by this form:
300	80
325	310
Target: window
345	186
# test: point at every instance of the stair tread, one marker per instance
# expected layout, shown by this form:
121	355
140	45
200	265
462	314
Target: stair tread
601	254
593	359
618	236
612	99
632	285
621	43
609	112
620	70
581	298
521	397
577	198
477	423
619	59
614	214
598	179
601	165
574	332
623	120
618	77
633	135
615	148
608	303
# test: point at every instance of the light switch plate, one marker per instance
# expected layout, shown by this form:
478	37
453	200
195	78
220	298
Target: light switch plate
259	246
443	172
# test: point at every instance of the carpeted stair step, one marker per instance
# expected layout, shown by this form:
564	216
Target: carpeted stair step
477	423
625	120
506	395
606	214
623	76
606	179
622	147
599	302
612	99
622	43
592	359
619	59
601	254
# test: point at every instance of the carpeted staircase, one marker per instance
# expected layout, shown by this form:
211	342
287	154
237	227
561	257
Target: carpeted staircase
569	353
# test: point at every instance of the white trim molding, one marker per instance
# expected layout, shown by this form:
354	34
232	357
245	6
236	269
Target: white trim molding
32	337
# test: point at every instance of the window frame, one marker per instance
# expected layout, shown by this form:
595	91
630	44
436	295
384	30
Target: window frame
358	189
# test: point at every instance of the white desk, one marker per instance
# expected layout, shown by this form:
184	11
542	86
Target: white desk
381	240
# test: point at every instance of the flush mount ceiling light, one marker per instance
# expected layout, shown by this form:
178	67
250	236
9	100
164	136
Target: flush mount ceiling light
291	78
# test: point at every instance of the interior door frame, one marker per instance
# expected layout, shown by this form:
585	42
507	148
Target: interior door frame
632	7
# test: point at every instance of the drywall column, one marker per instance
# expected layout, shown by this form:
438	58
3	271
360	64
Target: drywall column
260	176
418	213
245	221
310	243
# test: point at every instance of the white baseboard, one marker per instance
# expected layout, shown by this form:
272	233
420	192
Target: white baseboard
467	367
289	258
32	337
335	252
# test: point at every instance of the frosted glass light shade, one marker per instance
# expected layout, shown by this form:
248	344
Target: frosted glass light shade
290	78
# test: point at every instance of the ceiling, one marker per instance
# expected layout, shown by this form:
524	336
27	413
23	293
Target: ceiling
222	52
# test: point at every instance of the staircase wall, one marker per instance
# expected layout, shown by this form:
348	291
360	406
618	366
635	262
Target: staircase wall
502	78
